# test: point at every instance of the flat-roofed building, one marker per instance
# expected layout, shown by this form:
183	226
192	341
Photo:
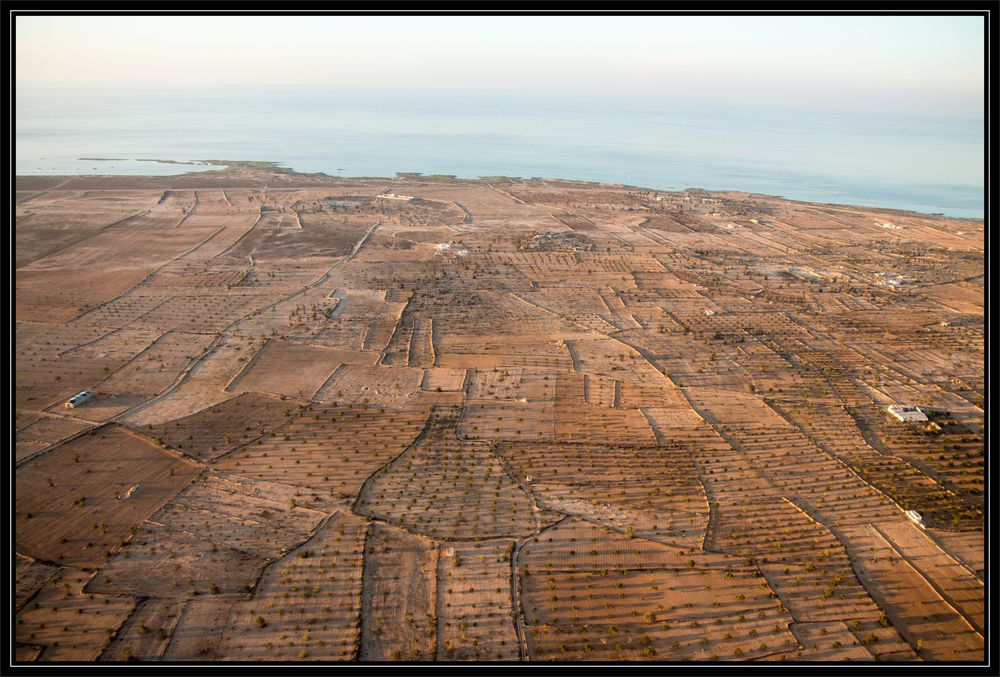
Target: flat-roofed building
907	414
78	399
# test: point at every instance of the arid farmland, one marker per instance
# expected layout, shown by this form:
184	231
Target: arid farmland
431	419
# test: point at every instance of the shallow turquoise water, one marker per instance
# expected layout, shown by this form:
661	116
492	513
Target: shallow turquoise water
926	164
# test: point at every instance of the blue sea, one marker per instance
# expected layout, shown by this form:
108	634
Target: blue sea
931	165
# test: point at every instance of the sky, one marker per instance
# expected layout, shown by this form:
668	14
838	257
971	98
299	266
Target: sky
920	65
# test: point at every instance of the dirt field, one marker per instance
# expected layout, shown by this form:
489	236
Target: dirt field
398	609
329	449
167	563
492	420
448	489
306	605
221	428
475	610
68	623
262	518
86	497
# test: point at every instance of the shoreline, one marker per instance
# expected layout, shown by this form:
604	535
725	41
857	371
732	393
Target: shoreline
255	171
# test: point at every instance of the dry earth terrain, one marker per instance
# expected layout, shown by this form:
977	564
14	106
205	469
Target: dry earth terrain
436	419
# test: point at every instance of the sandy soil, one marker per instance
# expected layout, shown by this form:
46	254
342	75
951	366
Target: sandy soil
504	419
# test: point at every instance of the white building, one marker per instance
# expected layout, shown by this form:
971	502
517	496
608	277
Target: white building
78	399
907	414
915	517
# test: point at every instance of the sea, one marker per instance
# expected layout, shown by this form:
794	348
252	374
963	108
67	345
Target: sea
927	164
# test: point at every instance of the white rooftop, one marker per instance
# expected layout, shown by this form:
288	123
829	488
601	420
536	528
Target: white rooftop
909	414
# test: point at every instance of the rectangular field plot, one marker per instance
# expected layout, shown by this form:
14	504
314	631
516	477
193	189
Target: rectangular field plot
120	345
674	426
422	352
165	563
448	488
578	544
45	376
966	548
122	311
158	366
662	394
444	380
601	391
476	617
315	235
583	423
201	387
44	432
671	470
81	499
362	319
911	604
651	490
607	357
222	427
630	510
293	312
956	584
328	448
398	610
515	383
544	421
70	624
600	598
307	604
581	586
46	226
372	385
284	368
147	240
262	518
187	275
755	637
147	632
829	641
201	312
526	349
29	575
198	631
62	295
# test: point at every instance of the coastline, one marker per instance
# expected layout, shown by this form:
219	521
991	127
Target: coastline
262	174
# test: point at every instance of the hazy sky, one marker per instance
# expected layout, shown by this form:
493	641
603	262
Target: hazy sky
921	65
